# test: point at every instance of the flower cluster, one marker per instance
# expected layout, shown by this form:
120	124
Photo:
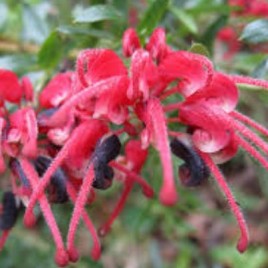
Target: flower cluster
229	35
67	148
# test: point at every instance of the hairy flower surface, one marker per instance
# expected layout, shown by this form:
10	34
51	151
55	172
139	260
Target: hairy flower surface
70	146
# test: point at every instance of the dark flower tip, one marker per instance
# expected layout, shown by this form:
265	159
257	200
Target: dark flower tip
194	171
10	211
106	150
57	189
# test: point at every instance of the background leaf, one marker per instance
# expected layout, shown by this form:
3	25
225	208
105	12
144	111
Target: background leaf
255	32
96	13
152	16
51	51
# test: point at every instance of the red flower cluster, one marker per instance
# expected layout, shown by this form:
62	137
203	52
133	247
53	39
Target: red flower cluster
229	35
68	148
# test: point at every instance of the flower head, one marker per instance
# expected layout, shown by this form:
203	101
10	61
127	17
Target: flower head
68	148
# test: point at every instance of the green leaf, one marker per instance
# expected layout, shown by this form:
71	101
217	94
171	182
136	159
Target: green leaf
261	70
255	32
186	19
97	13
34	27
211	32
3	14
152	17
19	63
199	49
51	51
71	30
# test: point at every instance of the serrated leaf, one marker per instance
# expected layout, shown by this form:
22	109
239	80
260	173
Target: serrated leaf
199	49
152	17
96	13
186	19
255	32
51	51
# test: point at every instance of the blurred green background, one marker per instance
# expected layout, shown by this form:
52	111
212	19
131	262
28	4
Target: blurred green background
39	38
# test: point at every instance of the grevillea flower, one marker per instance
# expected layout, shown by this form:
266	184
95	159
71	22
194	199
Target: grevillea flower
228	36
67	149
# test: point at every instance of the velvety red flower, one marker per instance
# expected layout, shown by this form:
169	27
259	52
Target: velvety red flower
67	148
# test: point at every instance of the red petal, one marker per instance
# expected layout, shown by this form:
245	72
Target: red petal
157	44
144	75
113	103
222	91
211	132
131	42
57	90
27	88
82	148
94	65
10	88
135	155
227	153
193	71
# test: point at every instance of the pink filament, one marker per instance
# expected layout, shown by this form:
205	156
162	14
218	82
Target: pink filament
82	97
172	107
168	93
252	151
249	81
146	188
2	162
30	147
118	209
96	249
250	122
250	135
244	238
42	184
78	209
61	257
168	194
3	238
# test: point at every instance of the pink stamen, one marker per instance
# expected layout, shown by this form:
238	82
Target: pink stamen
78	210
246	132
2	162
250	122
249	81
3	238
42	184
244	238
168	194
252	151
173	120
146	188
171	107
175	134
168	93
82	97
118	208
96	248
30	148
61	256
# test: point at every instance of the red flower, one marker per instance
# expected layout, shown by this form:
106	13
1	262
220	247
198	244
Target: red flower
73	147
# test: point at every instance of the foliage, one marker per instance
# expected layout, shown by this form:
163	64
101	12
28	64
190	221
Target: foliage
40	38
